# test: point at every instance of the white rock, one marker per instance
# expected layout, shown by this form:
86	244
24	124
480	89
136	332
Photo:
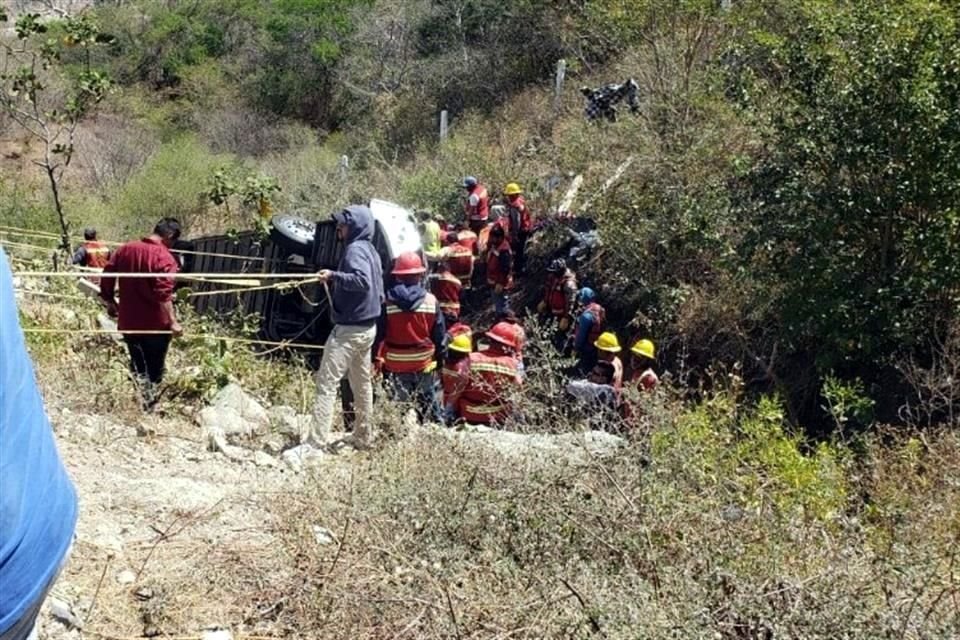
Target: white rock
301	455
287	422
225	421
264	459
217	634
62	612
323	535
126	577
566	447
235	398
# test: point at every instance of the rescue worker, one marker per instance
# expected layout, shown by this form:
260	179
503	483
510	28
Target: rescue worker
477	205
520	224
519	336
459	257
499	270
587	328
92	253
430	235
455	374
447	288
411	339
455	327
559	299
468	238
596	392
608	346
642	357
492	373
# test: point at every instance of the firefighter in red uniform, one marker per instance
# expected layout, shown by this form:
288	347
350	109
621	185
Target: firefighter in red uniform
455	375
477	205
643	378
411	339
499	270
446	287
608	346
459	257
520	225
92	253
493	373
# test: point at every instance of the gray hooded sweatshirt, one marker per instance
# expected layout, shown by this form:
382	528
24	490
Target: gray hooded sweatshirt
358	282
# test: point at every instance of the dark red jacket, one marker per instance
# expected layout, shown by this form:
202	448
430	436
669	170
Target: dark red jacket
141	299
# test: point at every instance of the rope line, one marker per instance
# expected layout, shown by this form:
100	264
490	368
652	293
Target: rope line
43	235
298	277
185	336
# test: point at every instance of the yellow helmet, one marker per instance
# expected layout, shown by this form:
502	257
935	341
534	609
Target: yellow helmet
643	348
512	189
608	342
461	343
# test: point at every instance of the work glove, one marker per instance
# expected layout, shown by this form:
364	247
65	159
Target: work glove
564	323
542	307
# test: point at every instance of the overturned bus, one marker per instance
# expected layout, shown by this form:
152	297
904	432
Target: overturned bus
295	245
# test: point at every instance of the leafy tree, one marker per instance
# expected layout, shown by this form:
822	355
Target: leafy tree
48	97
853	205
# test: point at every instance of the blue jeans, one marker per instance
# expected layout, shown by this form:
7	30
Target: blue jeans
422	388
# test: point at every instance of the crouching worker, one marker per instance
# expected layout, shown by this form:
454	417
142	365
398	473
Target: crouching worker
412	339
596	396
455	374
493	373
38	504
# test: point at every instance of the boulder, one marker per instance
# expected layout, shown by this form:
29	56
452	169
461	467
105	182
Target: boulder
287	422
234	416
233	398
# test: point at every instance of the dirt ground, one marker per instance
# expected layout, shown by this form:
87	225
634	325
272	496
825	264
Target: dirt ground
165	532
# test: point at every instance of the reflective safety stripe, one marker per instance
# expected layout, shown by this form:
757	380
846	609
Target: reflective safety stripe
483	409
425	307
493	368
408	356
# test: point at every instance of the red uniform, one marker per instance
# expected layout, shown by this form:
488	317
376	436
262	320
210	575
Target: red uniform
408	340
142	300
446	287
459	257
477	207
645	380
96	254
454	377
498	267
484	400
457	329
519	216
560	293
468	239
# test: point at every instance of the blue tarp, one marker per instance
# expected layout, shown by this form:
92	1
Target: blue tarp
38	505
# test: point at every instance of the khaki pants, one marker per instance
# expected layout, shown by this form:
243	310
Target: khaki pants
347	351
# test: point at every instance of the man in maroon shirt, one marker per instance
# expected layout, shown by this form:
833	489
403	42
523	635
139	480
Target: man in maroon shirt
146	304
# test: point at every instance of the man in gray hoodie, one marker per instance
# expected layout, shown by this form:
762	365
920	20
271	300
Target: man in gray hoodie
357	296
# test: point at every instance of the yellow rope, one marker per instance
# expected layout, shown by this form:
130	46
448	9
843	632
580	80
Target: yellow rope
299	277
23	245
145	332
44	235
278	285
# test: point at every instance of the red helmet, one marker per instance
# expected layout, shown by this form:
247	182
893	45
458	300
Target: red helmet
408	264
504	333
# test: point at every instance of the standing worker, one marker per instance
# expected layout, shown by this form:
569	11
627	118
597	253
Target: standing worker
499	270
412	340
477	205
520	225
608	346
559	299
357	299
486	398
459	257
146	304
92	253
431	235
587	328
455	375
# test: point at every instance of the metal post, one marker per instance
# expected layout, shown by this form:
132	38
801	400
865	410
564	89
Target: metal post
558	83
344	166
443	125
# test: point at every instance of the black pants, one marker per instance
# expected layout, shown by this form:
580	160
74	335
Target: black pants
147	356
519	248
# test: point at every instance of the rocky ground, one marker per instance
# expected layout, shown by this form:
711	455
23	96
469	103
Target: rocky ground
176	530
